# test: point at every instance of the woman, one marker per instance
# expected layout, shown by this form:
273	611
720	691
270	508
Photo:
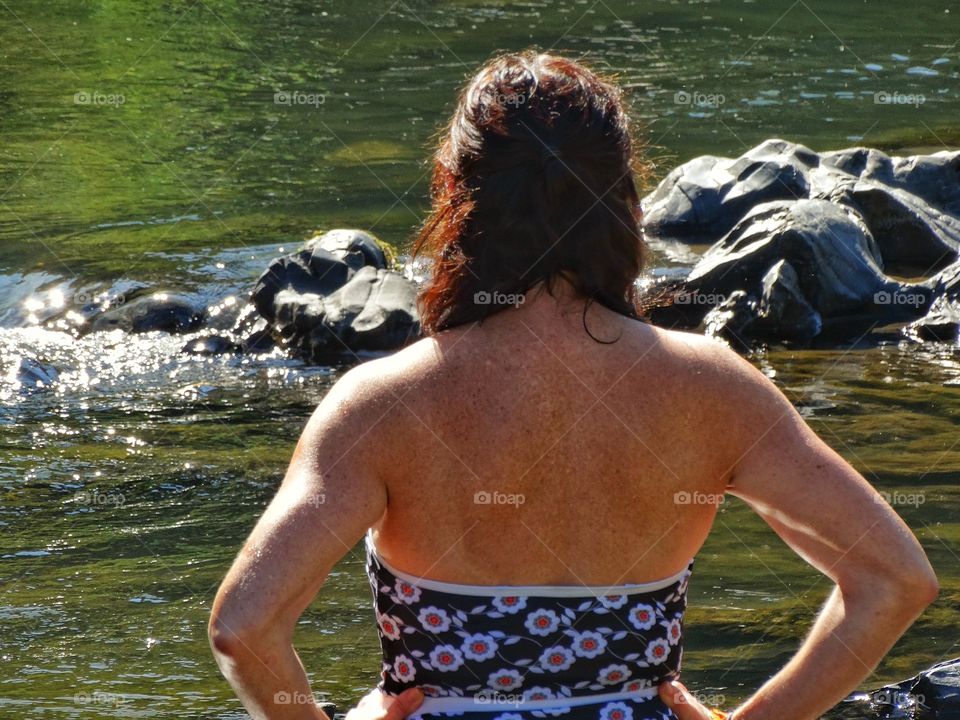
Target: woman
534	478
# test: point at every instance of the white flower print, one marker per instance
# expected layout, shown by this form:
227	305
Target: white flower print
446	658
612	602
674	630
542	622
556	658
539	693
643	616
434	619
403	668
657	651
588	644
389	626
405	592
613	674
510	603
616	711
636	685
432	691
505	680
479	647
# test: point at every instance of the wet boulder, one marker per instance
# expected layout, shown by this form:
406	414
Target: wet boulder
793	271
354	247
807	246
910	204
374	311
933	694
336	296
704	198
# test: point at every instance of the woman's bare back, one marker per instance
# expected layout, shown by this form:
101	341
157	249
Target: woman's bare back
526	452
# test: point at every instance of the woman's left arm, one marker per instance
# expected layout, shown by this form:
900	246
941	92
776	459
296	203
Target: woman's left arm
332	492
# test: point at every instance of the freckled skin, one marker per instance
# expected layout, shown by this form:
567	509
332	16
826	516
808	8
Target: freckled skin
602	443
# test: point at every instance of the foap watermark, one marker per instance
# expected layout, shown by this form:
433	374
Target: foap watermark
498	298
283	697
683	497
99	698
294	98
696	98
86	297
95	97
513	99
497	698
699	298
885	97
899	498
898	698
709	699
95	497
486	497
316	499
899	298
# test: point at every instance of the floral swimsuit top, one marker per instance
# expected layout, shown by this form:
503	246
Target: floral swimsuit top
514	652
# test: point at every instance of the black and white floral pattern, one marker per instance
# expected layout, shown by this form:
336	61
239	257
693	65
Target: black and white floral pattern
530	646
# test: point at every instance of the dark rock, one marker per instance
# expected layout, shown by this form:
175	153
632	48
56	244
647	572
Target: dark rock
159	311
336	296
806	268
210	344
354	247
328	708
223	314
314	271
911	236
375	311
815	260
702	199
911	204
903	219
252	331
733	320
941	324
934	694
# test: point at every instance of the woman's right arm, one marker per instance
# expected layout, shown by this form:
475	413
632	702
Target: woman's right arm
836	521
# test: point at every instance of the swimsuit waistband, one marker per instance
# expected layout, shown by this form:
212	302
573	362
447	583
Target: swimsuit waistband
503	704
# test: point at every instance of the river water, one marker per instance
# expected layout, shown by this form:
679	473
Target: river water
181	145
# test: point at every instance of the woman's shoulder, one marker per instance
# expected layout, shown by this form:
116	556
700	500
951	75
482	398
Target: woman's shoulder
378	383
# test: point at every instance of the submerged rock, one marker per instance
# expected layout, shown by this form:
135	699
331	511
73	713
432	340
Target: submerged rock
336	296
805	245
159	311
29	375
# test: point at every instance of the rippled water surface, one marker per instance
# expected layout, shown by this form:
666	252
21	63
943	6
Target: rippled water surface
180	145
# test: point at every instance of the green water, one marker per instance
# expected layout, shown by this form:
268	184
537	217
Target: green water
126	489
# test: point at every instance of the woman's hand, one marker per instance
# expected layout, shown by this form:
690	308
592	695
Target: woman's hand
684	705
377	705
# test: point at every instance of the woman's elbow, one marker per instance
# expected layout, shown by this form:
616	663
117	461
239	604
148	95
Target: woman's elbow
907	589
928	587
224	640
237	638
